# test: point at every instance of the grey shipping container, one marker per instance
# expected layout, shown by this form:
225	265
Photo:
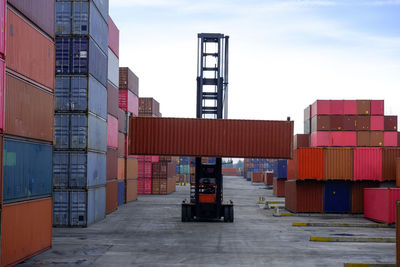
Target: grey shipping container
80	56
78	208
73	169
79	93
27	168
80	131
113	68
82	18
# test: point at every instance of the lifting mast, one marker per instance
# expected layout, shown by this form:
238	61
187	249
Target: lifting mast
206	200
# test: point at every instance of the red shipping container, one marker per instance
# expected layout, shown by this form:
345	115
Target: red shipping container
212	138
362	123
336	107
269	178
320	139
337	123
33	59
304	196
380	204
363	107
113	37
350	107
377	107
111	196
349	123
2	89
320	107
279	187
301	140
112	164
344	139
367	164
112	131
390	138
390	123
308	164
128	102
377	123
3	28
398	172
26	230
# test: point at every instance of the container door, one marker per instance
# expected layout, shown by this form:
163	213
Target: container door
337	197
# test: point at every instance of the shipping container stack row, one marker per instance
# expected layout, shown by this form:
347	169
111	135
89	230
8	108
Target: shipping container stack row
128	166
184	170
80	118
147	107
163	176
26	127
334	163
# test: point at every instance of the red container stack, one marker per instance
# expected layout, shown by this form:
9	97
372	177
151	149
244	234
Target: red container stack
352	127
27	56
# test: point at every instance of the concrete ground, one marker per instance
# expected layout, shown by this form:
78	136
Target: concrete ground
149	232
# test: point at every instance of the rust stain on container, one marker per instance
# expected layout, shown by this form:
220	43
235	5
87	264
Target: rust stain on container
111	196
112	163
210	137
338	163
26	230
363	107
121	168
304	196
34	58
131	168
389	158
131	188
28	110
357	194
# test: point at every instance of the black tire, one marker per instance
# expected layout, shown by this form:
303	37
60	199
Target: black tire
226	214
188	213
184	214
231	213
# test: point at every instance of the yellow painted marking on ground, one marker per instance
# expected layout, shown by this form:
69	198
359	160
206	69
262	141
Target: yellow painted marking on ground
320	239
275	202
299	224
286	214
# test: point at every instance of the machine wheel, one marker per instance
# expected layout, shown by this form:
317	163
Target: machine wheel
188	213
231	214
226	214
184	214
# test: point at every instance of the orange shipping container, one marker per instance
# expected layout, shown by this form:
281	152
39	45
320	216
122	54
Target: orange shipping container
131	188
257	177
121	168
279	187
34	58
357	194
26	230
111	196
338	163
209	137
304	196
307	163
131	168
389	157
28	110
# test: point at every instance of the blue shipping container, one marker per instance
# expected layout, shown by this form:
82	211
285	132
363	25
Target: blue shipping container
75	18
80	131
280	168
78	208
72	169
78	93
81	56
121	192
26	170
102	6
337	197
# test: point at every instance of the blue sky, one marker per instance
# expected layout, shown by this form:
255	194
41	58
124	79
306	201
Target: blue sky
284	54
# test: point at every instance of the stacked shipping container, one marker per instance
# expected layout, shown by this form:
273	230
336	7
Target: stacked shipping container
347	145
112	184
80	126
26	125
128	166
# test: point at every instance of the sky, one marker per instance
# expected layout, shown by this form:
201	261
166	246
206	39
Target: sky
284	54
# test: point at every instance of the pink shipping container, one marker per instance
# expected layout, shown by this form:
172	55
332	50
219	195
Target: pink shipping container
343	139
350	107
155	158
3	28
336	107
380	204
2	87
320	139
112	131
377	123
390	139
128	102
377	107
320	107
367	164
113	37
